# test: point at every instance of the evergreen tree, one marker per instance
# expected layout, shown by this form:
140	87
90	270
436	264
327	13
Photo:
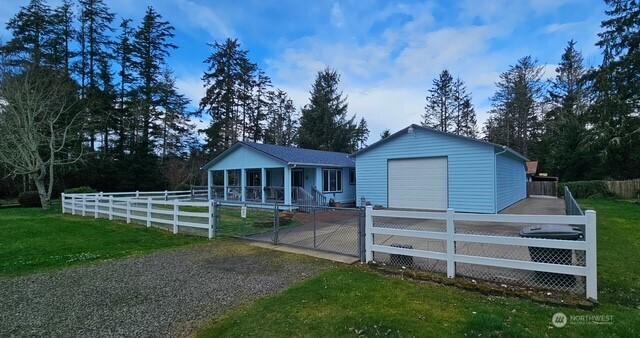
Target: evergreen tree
95	21
516	107
324	124
123	51
614	118
385	133
566	155
29	36
152	46
175	125
281	120
464	115
62	34
224	79
440	104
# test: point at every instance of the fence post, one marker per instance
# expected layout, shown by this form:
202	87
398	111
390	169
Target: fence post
111	207
166	195
148	212
451	244
128	210
212	217
84	205
591	259
73	204
175	217
314	228
62	198
137	193
276	223
368	233
95	206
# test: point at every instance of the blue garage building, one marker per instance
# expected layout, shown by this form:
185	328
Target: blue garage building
422	168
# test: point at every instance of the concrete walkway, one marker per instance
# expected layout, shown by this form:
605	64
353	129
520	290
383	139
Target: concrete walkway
537	206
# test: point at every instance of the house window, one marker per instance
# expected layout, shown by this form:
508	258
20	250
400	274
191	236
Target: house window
332	180
352	176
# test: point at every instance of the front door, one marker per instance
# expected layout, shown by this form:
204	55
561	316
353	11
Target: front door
297	178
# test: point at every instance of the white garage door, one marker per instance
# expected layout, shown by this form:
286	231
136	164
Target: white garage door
419	183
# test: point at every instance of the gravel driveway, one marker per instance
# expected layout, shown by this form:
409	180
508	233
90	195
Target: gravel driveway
168	293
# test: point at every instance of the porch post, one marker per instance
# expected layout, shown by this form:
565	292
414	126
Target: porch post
243	183
263	184
287	185
226	183
209	184
318	182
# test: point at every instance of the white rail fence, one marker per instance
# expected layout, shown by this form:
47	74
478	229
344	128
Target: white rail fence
450	237
159	208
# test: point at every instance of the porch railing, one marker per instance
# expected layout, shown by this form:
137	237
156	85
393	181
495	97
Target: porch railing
217	192
234	192
253	193
274	194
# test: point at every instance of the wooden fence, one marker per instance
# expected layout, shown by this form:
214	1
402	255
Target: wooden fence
628	189
542	188
453	237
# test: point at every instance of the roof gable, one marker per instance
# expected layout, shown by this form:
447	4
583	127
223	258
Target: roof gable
290	155
431	130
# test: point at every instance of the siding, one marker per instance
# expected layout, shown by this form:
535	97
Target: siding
511	180
244	157
348	194
470	169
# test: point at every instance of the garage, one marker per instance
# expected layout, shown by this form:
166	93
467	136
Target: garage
418	183
427	169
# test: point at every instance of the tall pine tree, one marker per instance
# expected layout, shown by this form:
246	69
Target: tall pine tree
152	46
325	124
514	119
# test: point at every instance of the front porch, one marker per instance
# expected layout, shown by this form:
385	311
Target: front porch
283	185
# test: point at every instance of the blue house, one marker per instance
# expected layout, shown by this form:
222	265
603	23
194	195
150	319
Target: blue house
265	173
422	168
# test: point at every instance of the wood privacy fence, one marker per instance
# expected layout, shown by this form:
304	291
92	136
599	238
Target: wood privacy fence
628	189
549	256
542	188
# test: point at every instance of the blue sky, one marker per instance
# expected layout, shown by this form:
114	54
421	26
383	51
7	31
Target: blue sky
388	52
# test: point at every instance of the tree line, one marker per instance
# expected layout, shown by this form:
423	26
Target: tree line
584	123
117	121
122	123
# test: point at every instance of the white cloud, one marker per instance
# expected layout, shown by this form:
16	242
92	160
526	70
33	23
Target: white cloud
191	87
337	17
560	27
203	17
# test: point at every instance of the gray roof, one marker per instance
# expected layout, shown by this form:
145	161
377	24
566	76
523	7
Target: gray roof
293	155
415	126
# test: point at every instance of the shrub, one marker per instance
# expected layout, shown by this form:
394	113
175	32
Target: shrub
586	189
332	202
80	190
182	187
29	199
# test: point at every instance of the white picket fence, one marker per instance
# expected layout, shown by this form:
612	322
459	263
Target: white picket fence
148	208
451	237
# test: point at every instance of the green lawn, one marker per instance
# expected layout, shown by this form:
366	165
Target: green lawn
351	301
34	240
232	224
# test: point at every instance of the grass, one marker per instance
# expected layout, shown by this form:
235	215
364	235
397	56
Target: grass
258	221
351	301
34	240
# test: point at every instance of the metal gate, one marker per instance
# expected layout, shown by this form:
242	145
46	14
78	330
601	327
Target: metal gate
322	228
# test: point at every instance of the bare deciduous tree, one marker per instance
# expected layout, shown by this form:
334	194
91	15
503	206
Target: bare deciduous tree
37	123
